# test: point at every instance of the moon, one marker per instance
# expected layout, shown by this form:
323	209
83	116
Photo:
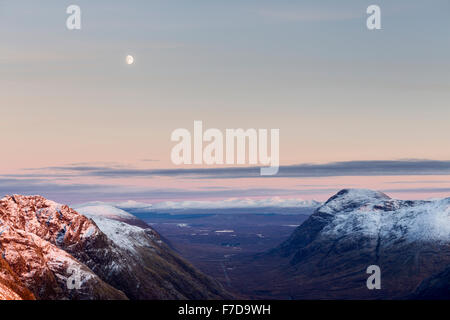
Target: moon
129	59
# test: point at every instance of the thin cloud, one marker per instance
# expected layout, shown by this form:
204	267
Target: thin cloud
333	169
78	193
419	182
81	193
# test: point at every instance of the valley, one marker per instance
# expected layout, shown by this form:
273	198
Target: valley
321	255
219	243
313	252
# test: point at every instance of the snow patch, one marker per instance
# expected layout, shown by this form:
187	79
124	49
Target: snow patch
122	234
103	210
373	214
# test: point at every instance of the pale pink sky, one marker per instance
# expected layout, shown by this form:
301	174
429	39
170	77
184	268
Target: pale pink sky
336	91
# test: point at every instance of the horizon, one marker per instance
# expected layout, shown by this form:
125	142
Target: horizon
222	203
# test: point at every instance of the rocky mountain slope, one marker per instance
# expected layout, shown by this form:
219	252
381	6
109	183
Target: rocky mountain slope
328	255
153	270
436	287
50	251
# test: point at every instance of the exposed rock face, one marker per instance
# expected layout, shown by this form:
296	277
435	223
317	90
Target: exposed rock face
33	235
11	287
328	255
46	246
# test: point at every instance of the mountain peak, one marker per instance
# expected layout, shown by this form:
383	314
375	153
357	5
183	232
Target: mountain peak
350	199
43	244
359	194
354	229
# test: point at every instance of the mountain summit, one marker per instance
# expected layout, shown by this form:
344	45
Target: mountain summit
328	255
50	251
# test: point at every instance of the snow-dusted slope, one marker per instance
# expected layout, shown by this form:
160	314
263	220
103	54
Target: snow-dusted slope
374	214
124	235
103	210
43	244
120	226
36	236
156	271
408	240
97	210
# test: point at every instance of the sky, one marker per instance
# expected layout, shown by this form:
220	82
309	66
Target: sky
79	124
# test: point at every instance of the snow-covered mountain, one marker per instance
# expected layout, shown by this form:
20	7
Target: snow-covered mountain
117	256
38	239
408	240
44	245
328	255
369	213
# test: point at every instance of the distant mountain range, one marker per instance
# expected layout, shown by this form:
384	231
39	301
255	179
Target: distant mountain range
50	251
229	206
